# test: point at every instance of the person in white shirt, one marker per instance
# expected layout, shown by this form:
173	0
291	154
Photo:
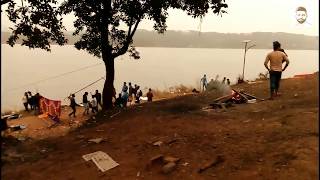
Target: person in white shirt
94	105
25	101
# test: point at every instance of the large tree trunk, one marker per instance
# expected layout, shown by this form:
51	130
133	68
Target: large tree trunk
108	59
108	87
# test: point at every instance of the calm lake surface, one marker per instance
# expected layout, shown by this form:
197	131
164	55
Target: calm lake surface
158	68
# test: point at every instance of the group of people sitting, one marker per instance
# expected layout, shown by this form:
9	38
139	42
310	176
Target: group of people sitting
131	94
31	100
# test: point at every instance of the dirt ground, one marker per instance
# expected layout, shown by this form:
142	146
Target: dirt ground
266	140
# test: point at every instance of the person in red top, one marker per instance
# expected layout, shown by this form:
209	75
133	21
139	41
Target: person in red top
150	95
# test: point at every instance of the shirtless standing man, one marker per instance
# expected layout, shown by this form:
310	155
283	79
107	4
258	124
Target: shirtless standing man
276	58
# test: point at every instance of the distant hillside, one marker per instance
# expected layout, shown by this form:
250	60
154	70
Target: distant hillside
194	39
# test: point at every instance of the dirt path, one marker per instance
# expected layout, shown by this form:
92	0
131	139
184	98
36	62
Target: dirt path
266	140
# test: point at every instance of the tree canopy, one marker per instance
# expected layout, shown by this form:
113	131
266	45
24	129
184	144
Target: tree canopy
40	21
106	27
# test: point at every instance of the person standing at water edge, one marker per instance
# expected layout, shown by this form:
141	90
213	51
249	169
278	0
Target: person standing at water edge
228	82
125	96
139	94
36	102
73	105
124	87
275	58
98	98
130	93
224	80
31	100
134	91
85	103
25	101
94	105
204	82
150	95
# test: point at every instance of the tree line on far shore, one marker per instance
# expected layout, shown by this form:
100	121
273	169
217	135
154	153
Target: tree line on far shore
195	39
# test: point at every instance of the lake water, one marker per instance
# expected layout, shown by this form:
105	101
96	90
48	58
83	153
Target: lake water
158	68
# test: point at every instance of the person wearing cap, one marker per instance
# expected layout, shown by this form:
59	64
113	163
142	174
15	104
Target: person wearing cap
275	60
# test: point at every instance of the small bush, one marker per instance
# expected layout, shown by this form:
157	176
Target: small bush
263	76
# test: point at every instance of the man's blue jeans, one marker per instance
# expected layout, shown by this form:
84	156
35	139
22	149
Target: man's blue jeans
275	77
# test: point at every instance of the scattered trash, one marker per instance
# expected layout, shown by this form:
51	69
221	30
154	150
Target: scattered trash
185	164
207	108
102	160
168	159
254	82
115	114
169	167
251	101
216	161
138	173
158	143
11	116
155	159
172	140
96	140
43	150
296	95
18	127
21	138
236	97
168	163
251	96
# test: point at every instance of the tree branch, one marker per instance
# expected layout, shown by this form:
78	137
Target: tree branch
134	30
126	44
130	26
5	2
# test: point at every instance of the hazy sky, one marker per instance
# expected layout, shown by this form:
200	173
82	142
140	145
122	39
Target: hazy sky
243	16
